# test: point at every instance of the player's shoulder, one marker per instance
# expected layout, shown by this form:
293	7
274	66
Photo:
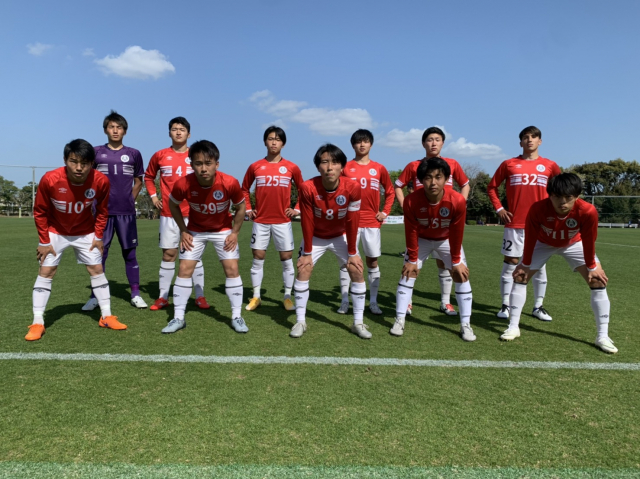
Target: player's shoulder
413	165
451	161
100	149
132	152
416	196
586	208
99	178
226	179
289	164
454	197
161	154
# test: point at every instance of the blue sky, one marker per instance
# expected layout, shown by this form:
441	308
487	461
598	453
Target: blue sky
481	70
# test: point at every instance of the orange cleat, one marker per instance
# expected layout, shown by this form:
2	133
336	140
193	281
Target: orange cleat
201	303
159	304
111	322
35	332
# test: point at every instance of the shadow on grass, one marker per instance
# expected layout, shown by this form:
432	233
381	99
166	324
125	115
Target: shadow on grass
51	315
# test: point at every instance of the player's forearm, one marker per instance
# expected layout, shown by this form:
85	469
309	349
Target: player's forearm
399	195
137	187
176	213
464	191
238	218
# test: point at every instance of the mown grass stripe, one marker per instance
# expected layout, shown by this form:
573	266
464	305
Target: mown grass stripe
437	363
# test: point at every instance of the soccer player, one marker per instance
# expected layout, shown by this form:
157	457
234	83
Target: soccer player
272	216
433	141
210	195
124	168
329	206
434	219
526	179
567	226
371	176
173	163
63	219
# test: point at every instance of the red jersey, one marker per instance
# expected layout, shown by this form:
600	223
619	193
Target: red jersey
438	222
209	205
409	174
543	224
371	177
65	209
526	184
172	166
273	189
327	214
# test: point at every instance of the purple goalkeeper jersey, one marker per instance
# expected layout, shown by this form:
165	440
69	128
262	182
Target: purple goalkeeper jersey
121	167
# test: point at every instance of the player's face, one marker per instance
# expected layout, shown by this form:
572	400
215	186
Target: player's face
204	167
179	133
274	144
563	204
78	169
434	182
530	142
115	133
362	148
329	168
433	144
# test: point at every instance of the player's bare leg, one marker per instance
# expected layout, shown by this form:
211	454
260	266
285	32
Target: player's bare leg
444	278
288	276
374	284
257	273
233	288
358	294
301	292
506	284
600	305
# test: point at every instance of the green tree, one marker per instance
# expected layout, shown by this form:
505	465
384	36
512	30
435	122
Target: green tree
396	209
8	192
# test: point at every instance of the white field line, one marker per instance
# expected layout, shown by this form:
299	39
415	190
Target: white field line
597	242
437	363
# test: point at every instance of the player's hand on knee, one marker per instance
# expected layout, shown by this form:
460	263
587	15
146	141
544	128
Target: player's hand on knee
355	262
305	261
96	243
409	270
231	242
597	278
186	241
43	251
520	274
460	272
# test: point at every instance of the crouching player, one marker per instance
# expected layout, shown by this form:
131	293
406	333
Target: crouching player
63	218
210	193
434	219
565	225
329	206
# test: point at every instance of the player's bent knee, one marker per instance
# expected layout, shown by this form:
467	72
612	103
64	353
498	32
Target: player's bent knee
259	254
94	269
187	267
48	271
230	267
286	255
170	255
372	262
511	260
440	263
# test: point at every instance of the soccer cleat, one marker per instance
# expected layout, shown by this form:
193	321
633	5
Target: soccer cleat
448	309
138	302
466	333
541	314
504	312
362	330
606	345
409	309
253	304
511	333
36	331
374	308
344	307
398	328
239	325
111	322
90	305
201	303
288	304
174	325
159	304
298	330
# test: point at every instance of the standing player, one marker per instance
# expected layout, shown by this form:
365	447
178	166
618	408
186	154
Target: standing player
63	218
329	205
210	195
567	226
173	163
371	176
527	177
434	219
433	141
124	168
272	216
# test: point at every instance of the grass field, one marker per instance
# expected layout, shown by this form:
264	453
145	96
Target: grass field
199	413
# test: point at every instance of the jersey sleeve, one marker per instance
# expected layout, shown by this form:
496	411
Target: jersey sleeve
40	212
403	179
459	175
138	170
589	234
555	170
296	174
305	200
352	220
150	175
411	226
102	207
179	191
531	227
236	193
456	231
389	192
248	180
492	188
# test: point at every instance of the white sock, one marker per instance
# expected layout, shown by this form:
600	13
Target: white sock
100	287
181	293
344	284
257	273
539	286
445	285
374	284
464	298
288	275
601	307
403	296
167	270
301	291
233	288
198	280
516	300
506	281
41	293
358	293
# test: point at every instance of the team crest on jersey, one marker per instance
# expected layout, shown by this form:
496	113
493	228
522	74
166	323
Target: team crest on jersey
124	158
373	172
90	193
187	160
571	223
444	211
282	170
62	190
540	168
341	200
218	195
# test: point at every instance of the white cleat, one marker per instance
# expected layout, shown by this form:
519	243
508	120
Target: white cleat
541	314
510	334
398	328
298	330
466	333
362	330
344	308
138	302
606	345
90	305
504	312
374	308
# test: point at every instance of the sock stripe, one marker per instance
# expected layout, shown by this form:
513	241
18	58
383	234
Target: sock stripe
99	286
405	286
180	286
598	289
170	269
300	290
38	288
231	287
463	292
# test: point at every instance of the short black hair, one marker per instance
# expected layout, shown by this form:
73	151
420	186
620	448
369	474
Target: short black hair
335	152
361	135
432	164
278	131
433	129
180	120
81	148
565	184
205	148
117	118
532	130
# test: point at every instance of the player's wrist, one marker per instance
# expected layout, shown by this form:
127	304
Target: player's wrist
500	209
44	244
591	270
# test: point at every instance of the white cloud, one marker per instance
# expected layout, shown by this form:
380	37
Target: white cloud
461	148
88	52
136	62
38	49
405	141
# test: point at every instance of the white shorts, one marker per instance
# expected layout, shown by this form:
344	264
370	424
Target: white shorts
371	244
200	241
282	236
513	242
337	245
80	245
169	232
428	247
574	254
